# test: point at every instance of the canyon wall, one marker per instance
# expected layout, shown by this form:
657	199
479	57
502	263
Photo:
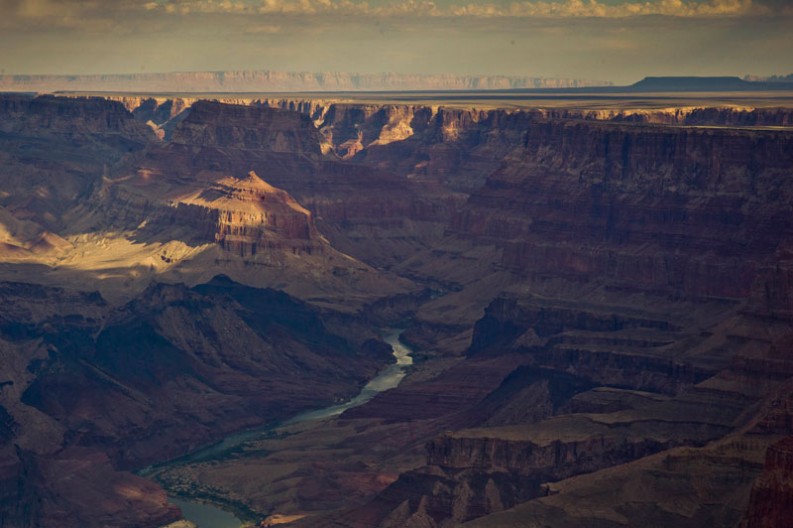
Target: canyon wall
772	493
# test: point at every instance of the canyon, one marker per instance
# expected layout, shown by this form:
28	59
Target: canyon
598	296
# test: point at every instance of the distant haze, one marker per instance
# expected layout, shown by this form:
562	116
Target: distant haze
616	40
274	81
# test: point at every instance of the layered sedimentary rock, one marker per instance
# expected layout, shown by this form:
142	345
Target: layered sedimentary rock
445	141
182	210
650	263
771	502
52	153
242	215
89	391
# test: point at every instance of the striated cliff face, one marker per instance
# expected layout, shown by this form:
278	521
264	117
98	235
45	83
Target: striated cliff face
459	147
243	216
48	116
690	198
53	153
248	210
212	124
771	502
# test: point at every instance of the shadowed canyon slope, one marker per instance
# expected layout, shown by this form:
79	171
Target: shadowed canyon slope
599	302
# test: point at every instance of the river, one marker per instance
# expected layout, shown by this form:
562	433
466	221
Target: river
210	516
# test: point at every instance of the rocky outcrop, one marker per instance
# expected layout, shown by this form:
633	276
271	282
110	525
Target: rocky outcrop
244	216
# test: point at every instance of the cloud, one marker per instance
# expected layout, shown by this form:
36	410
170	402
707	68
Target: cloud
263	28
105	15
594	8
527	8
83	15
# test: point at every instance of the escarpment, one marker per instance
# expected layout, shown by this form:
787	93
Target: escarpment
648	262
770	502
212	124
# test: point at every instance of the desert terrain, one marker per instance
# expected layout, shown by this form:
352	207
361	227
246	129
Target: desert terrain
595	290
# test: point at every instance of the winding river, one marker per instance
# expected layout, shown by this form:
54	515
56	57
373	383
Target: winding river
210	516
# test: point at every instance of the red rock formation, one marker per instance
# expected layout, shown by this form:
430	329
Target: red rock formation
248	215
771	502
212	124
702	206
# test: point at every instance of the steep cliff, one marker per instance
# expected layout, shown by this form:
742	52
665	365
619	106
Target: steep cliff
212	124
54	151
771	502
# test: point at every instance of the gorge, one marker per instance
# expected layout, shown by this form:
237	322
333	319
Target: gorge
597	296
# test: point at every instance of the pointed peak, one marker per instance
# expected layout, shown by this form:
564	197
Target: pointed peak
256	181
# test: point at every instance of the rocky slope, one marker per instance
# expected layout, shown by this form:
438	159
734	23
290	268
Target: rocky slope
183	210
90	391
53	152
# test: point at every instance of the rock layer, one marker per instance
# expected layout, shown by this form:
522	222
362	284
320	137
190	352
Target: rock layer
771	502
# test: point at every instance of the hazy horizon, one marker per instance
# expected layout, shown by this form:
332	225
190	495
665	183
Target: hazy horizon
619	41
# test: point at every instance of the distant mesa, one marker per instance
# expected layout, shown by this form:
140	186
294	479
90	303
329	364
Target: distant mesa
706	84
279	81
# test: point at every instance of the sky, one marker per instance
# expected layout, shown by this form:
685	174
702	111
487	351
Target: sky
609	40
